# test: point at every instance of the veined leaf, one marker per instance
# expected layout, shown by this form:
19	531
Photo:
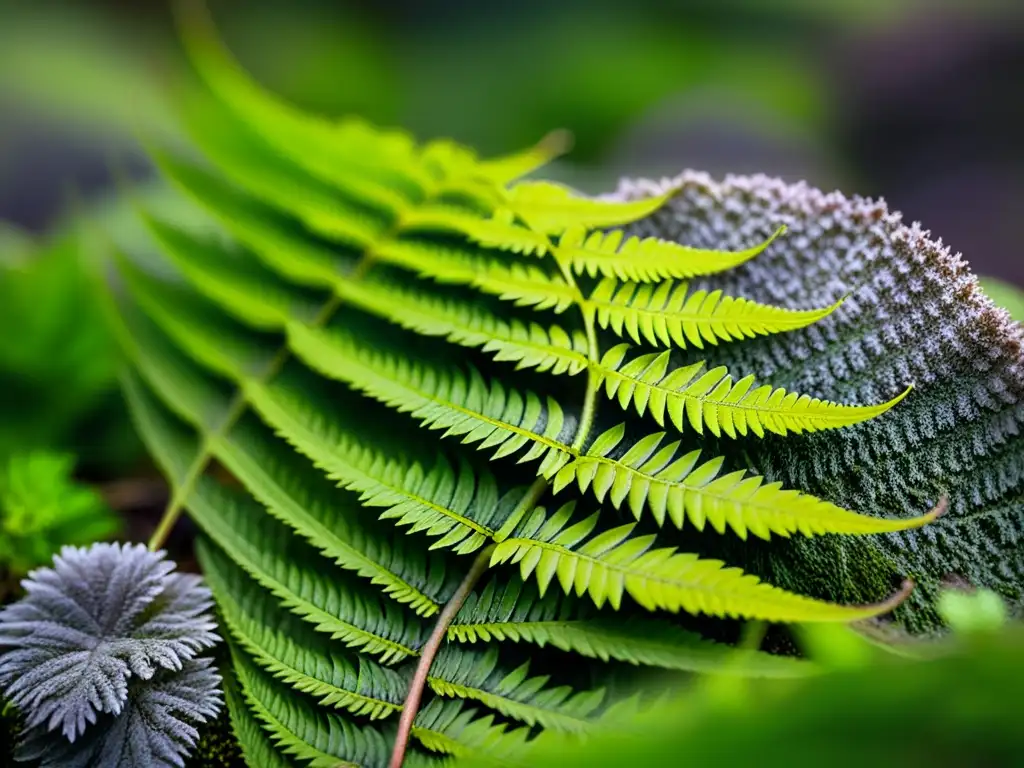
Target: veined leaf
294	654
503	170
551	209
466	674
703	398
478	412
649	259
455	506
614	563
655	476
668	314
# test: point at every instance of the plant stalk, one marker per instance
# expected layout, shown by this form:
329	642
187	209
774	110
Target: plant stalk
412	700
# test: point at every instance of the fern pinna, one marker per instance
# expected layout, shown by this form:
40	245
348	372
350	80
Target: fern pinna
459	415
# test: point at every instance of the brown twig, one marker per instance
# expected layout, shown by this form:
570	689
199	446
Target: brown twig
419	680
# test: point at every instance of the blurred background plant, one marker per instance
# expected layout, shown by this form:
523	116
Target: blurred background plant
917	704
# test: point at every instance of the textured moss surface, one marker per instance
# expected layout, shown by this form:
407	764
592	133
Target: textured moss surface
915	315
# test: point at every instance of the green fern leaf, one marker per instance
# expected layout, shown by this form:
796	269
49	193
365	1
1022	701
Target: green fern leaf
615	563
551	209
668	482
458	673
492	416
511	610
670	314
648	260
703	398
292	653
302	365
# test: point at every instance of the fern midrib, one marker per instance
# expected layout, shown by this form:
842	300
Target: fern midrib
523	711
275	666
297	428
236	409
779	316
240	401
827	411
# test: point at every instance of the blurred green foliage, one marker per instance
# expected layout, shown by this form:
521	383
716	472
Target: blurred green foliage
57	361
42	509
1007	296
955	710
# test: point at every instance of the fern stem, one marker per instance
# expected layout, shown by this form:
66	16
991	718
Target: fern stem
593	356
419	681
235	411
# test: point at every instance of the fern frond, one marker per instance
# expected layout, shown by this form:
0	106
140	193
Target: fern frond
703	398
315	736
646	260
450	728
503	170
667	314
615	563
467	674
293	653
551	209
509	609
656	477
299	578
455	505
469	408
499	231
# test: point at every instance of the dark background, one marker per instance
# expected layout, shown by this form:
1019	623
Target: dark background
917	102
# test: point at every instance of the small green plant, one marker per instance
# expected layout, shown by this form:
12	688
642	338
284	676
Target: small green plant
43	509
